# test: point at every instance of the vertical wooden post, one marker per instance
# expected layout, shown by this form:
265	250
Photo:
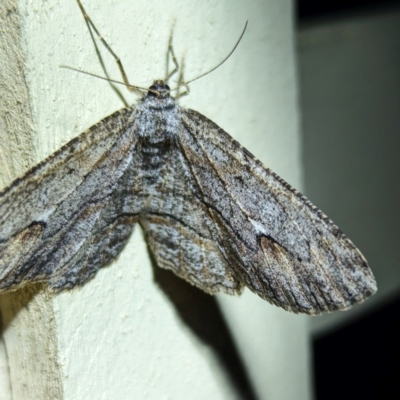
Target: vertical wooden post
29	338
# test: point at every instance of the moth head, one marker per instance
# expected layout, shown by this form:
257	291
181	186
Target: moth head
159	89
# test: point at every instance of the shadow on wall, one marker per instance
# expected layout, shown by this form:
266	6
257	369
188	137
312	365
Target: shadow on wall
198	310
201	313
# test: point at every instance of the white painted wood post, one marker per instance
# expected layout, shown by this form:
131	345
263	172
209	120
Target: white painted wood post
120	336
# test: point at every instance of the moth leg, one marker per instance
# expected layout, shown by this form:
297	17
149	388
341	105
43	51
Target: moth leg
103	67
171	53
181	82
91	25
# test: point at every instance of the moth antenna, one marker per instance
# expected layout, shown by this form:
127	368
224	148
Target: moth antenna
218	65
133	87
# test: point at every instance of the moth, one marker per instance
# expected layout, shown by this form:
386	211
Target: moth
211	212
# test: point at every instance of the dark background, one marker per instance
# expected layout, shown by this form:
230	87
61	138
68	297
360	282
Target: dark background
360	360
312	10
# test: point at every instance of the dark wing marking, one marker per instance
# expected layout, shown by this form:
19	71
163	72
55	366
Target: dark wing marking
181	234
288	251
69	215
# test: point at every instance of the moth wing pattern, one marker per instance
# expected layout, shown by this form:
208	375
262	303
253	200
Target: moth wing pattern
279	244
71	214
182	235
210	211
